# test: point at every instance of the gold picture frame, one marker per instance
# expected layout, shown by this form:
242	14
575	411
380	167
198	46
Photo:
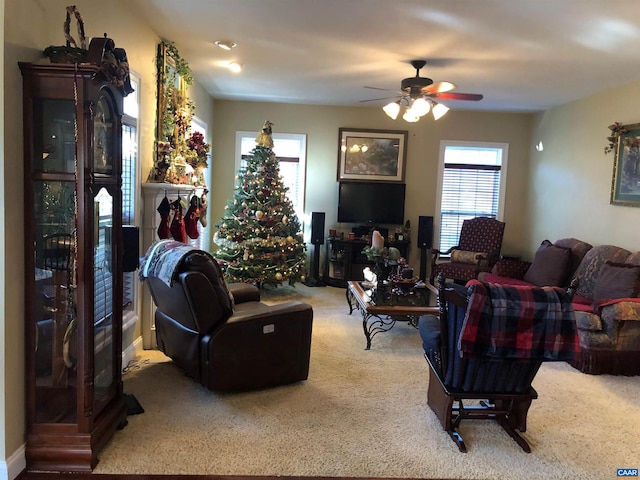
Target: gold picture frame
372	155
625	183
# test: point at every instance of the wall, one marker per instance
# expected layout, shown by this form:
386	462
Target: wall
321	124
29	27
571	177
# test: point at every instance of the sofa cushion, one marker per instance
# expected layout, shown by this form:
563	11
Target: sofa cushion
550	266
590	266
617	280
500	280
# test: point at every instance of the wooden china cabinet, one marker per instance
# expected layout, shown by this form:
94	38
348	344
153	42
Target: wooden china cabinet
73	262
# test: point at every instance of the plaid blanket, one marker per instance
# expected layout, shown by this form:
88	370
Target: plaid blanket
518	322
162	259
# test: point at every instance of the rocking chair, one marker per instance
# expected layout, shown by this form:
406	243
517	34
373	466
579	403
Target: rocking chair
482	359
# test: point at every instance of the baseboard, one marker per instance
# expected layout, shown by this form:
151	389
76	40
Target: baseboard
14	465
132	351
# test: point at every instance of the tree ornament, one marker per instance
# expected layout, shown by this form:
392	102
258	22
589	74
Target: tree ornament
259	214
285	219
278	276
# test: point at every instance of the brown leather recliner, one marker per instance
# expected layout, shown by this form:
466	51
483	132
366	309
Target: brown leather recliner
229	344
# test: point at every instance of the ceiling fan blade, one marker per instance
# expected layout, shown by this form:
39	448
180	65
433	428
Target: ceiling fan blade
383	89
458	96
376	99
438	87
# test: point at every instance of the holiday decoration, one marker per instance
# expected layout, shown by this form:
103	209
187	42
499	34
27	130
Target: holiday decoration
178	231
259	237
164	209
192	217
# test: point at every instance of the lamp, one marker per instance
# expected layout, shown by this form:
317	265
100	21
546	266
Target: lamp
439	110
392	109
420	107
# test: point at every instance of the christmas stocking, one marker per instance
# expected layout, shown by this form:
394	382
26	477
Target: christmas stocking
191	219
164	209
177	224
203	208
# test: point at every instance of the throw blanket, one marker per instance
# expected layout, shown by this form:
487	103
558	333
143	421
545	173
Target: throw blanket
518	322
162	260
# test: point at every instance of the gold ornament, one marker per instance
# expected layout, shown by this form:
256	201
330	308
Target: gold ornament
278	276
259	214
285	219
302	278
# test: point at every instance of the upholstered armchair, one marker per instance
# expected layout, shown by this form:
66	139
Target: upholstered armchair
477	251
486	348
223	336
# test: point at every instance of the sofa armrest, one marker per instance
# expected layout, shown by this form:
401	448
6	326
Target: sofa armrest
244	292
511	268
620	311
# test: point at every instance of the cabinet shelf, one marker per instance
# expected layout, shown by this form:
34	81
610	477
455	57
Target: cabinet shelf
345	260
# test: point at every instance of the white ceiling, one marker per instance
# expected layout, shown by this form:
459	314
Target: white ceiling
522	55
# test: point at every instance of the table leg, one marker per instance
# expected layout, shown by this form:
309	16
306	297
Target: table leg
373	327
349	298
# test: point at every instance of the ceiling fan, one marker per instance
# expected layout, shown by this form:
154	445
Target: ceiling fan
419	95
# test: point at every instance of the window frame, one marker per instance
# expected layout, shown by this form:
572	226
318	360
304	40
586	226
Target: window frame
444	144
130	309
301	138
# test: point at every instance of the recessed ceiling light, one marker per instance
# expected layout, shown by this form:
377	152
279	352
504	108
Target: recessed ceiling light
235	67
226	44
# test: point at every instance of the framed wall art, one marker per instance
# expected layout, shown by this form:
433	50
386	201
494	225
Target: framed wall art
372	155
625	184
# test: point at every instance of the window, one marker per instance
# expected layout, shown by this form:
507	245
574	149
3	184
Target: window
290	148
129	179
471	185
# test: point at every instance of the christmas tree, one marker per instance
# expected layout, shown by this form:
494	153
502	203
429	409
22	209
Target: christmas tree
259	237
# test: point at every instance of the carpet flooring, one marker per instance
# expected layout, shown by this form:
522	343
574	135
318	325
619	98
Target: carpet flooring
364	413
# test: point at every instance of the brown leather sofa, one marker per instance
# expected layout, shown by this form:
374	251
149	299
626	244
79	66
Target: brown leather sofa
229	342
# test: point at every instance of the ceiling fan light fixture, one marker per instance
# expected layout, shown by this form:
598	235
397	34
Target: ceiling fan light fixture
420	107
226	44
410	116
439	110
392	109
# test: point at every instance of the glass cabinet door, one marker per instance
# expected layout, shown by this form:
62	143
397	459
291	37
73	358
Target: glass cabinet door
55	138
55	313
103	309
103	136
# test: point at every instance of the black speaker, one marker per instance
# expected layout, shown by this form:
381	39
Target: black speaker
317	228
425	232
130	247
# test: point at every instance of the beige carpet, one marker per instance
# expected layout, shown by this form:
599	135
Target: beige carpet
364	413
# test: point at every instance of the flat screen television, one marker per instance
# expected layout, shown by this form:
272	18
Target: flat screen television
371	203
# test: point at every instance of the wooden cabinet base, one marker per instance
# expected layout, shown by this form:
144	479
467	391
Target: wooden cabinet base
73	451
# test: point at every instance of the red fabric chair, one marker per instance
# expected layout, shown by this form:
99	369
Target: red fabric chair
477	251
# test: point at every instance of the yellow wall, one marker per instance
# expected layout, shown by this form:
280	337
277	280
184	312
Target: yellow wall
571	178
321	124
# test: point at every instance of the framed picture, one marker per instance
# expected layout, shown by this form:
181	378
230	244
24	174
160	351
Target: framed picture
372	155
625	184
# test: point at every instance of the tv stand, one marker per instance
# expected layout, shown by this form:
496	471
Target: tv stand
345	260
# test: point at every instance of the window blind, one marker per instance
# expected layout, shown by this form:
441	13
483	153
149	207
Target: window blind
468	191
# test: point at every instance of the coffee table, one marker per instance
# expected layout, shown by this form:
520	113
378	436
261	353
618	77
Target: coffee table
382	315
